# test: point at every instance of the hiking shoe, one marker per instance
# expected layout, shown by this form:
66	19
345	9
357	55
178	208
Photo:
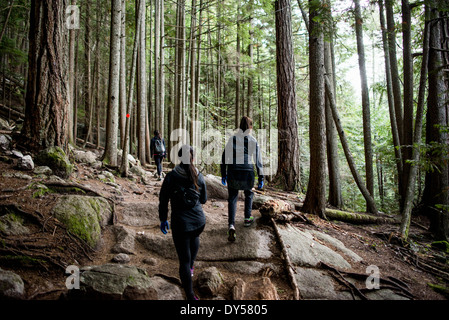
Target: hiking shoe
191	271
248	221
231	234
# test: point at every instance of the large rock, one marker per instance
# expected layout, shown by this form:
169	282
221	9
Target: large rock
209	281
115	282
11	285
125	240
84	216
138	214
12	224
5	142
57	160
215	189
304	250
25	163
84	156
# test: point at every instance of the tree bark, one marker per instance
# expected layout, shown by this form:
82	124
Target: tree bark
436	191
410	186
46	109
408	95
288	157
365	100
141	86
110	153
335	197
122	113
315	201
132	76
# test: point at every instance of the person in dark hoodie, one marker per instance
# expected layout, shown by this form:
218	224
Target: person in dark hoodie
158	151
237	170
185	188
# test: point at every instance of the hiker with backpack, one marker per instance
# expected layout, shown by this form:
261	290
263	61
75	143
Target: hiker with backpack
157	149
185	188
237	171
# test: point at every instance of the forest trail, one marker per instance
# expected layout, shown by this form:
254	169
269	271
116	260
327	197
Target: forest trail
312	259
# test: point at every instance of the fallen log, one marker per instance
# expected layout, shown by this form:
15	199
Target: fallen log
357	218
285	211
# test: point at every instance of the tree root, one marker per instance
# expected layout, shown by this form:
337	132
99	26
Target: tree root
288	265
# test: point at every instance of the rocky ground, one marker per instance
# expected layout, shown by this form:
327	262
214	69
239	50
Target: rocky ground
306	258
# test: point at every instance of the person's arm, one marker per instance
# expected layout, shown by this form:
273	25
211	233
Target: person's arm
151	147
164	197
203	194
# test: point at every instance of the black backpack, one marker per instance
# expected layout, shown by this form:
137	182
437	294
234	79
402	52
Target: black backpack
188	197
159	146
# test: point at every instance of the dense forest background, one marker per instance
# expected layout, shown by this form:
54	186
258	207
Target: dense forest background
358	90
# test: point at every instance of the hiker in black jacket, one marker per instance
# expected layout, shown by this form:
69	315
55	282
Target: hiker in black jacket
185	187
157	150
237	170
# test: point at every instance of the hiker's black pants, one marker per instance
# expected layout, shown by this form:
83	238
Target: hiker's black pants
187	245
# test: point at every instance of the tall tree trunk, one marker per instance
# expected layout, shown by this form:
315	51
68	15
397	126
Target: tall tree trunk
335	197
315	201
46	106
358	180
88	112
436	191
71	84
110	153
411	182
193	33
132	76
365	100
237	73
288	150
408	95
395	80
390	94
141	86
122	113
180	69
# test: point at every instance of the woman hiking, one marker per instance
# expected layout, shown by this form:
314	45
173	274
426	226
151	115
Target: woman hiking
237	170
185	188
157	150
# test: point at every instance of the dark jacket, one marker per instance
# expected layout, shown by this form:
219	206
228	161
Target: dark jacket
153	146
182	220
241	153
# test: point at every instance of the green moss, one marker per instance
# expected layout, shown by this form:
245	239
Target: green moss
440	289
57	160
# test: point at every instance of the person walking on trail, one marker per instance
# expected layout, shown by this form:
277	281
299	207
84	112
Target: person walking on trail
157	149
237	171
185	188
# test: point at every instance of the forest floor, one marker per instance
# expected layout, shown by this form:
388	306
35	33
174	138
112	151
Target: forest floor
41	257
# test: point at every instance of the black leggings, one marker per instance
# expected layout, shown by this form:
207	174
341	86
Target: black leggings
187	245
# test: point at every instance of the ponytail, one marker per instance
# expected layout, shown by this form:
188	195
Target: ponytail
187	164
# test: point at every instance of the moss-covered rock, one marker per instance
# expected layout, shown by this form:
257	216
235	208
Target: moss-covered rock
57	160
84	216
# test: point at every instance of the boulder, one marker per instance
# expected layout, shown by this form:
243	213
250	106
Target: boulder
114	282
84	156
215	189
5	142
260	289
44	170
84	216
25	163
125	240
11	285
121	258
11	224
209	281
57	160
